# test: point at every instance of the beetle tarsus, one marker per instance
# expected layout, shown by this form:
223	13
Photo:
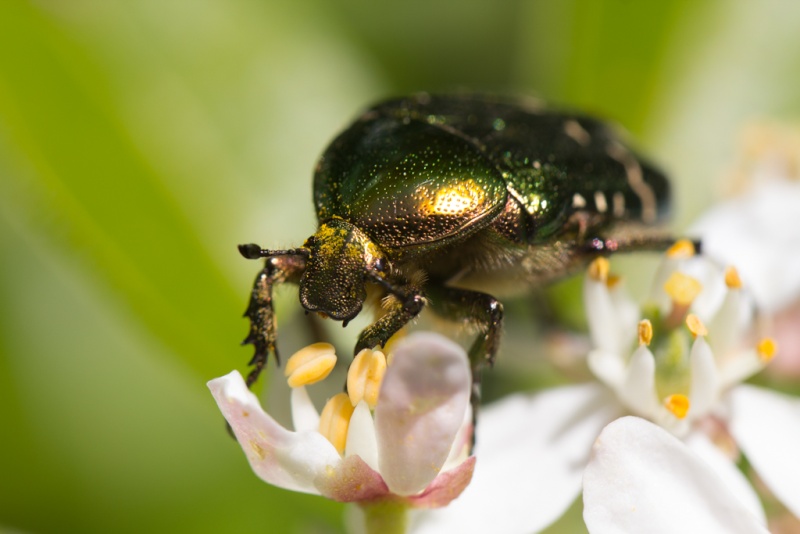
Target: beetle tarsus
402	312
260	310
482	311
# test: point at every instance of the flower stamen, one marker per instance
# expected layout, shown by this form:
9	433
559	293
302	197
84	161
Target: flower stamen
335	420
365	376
732	280
310	364
677	404
682	289
681	249
767	348
598	269
645	332
696	326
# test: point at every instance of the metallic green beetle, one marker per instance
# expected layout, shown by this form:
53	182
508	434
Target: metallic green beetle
448	200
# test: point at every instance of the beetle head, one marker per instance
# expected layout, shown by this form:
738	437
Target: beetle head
340	257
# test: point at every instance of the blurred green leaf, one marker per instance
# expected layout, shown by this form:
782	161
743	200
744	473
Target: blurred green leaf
98	196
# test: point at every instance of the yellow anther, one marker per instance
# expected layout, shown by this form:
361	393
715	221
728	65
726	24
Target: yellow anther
732	279
613	280
598	269
682	289
645	332
388	348
677	404
365	376
335	420
310	364
682	248
696	326
766	349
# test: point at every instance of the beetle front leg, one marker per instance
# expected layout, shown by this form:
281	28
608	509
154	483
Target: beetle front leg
478	309
402	311
475	308
260	311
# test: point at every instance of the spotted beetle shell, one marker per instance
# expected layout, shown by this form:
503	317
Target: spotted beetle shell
426	171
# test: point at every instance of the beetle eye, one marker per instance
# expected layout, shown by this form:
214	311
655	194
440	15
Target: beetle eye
379	265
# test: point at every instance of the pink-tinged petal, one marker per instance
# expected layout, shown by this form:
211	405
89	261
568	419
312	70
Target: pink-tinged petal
445	487
726	469
531	451
290	460
305	416
361	436
420	409
462	444
642	479
351	481
705	378
766	425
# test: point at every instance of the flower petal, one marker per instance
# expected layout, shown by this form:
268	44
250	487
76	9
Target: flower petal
290	460
642	479
732	317
739	367
420	409
705	379
361	436
608	367
754	234
447	486
305	416
462	444
727	470
352	481
531	451
639	389
606	326
766	425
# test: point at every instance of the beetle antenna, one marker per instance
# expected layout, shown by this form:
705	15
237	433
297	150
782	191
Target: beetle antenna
251	251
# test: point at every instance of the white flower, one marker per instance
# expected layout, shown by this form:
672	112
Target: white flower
411	448
642	479
760	231
759	228
662	363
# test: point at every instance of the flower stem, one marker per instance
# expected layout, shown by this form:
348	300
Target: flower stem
385	517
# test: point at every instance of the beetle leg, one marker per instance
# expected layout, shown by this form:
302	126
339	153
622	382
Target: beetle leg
405	307
599	246
481	310
277	270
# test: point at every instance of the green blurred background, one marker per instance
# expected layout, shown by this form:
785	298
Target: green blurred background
140	141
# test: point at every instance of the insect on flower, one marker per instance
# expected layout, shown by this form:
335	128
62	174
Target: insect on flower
448	201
